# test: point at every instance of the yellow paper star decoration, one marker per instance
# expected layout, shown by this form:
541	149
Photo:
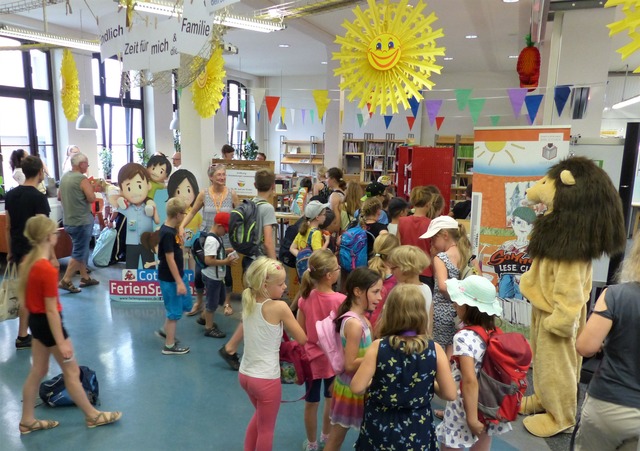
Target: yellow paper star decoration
207	88
70	91
388	54
630	23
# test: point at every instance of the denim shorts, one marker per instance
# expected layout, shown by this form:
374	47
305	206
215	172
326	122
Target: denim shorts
216	293
80	237
175	304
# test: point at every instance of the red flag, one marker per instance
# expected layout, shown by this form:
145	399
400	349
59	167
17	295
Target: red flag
369	110
272	103
439	121
410	121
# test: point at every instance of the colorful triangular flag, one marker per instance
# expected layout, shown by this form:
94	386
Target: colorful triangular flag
321	97
303	112
415	105
560	96
495	120
411	120
360	119
312	114
433	108
272	103
439	121
293	115
475	107
387	121
462	97
516	96
258	96
533	104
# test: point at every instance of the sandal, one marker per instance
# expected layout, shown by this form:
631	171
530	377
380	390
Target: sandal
69	286
103	418
438	413
37	425
228	310
88	282
194	311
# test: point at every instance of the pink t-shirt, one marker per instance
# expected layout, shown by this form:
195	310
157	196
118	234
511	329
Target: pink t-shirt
317	307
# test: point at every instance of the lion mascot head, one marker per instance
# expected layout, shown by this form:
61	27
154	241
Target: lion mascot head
584	213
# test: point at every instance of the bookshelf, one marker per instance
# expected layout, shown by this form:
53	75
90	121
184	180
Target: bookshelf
303	153
370	158
353	156
462	174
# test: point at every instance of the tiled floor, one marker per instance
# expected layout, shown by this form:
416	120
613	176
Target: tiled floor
169	402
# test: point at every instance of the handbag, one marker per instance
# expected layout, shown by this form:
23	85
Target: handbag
9	303
294	362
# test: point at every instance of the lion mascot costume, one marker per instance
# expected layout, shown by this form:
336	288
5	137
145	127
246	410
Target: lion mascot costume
583	221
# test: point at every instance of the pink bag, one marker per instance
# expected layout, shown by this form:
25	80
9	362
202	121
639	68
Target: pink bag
330	342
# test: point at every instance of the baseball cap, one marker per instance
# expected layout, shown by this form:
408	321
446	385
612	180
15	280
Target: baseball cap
373	189
314	209
222	218
440	223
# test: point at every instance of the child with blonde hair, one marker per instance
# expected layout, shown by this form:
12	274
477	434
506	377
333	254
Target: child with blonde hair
317	301
400	372
382	248
263	318
364	289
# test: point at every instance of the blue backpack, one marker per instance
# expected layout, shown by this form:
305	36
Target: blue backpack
302	260
54	393
354	251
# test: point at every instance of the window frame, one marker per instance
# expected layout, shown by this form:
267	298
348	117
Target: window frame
232	133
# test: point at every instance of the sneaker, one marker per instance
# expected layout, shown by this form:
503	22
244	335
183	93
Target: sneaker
23	342
232	359
214	332
306	446
322	442
175	349
160	333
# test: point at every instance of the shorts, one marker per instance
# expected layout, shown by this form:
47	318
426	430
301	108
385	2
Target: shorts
40	330
313	393
216	293
81	238
175	304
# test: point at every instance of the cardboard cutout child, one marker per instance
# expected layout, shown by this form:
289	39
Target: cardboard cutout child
140	210
159	168
183	184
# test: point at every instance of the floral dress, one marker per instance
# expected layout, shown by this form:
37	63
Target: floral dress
397	412
454	431
444	313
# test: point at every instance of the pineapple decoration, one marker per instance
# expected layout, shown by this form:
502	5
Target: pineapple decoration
529	65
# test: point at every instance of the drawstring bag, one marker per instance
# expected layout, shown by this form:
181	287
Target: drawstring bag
9	303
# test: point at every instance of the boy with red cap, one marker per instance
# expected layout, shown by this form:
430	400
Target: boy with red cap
216	259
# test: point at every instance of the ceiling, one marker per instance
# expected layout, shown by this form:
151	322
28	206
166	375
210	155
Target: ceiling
500	28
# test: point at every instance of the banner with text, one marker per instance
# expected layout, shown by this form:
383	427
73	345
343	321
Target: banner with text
195	27
112	36
164	54
141	285
241	181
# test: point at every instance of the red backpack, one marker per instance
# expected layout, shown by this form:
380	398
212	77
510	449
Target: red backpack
502	379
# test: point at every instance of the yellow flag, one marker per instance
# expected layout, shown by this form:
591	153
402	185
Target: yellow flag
321	96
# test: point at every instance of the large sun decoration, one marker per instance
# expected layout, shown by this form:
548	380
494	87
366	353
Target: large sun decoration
70	91
630	23
388	54
207	88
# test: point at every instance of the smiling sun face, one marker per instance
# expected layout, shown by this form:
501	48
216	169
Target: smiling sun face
384	52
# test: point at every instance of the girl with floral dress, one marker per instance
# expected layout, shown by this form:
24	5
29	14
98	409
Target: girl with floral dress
476	305
399	372
364	288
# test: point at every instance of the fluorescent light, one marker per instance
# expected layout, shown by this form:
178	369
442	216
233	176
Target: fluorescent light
471	36
284	46
47	38
510	1
513	57
229	20
448	58
324	62
86	121
626	103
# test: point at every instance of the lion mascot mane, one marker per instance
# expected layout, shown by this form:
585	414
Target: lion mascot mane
583	221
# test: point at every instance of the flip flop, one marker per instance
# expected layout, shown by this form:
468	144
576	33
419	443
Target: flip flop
38	425
194	312
103	418
228	310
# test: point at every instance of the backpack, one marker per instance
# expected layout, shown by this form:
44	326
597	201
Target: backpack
101	255
502	379
197	249
285	256
294	362
302	260
330	341
54	393
323	194
354	251
243	228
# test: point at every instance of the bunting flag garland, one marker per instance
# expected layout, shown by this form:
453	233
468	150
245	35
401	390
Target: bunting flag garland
293	115
365	114
462	97
369	110
303	112
258	97
360	119
387	120
475	107
415	105
560	96
283	113
516	96
223	103
433	108
272	103
439	121
495	120
411	120
533	104
341	116
258	116
321	97
312	115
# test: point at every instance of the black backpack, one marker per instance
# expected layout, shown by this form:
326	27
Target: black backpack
54	393
284	255
197	249
323	194
243	228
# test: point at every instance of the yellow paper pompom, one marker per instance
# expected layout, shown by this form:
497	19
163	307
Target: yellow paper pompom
70	91
630	23
388	54
208	87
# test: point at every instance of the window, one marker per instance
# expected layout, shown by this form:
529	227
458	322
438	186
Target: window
26	108
120	121
236	96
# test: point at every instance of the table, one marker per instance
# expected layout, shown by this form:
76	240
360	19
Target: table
279	200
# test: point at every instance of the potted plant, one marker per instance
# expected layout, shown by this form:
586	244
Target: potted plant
141	152
249	149
106	162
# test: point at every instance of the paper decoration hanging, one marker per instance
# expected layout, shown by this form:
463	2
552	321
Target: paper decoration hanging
257	116
207	88
223	102
433	108
312	115
630	23
439	121
70	91
341	116
388	54
495	120
387	120
360	119
560	96
303	112
283	113
292	112
528	66
415	105
516	96
258	97
365	114
475	108
462	97
321	97
411	120
533	104
272	103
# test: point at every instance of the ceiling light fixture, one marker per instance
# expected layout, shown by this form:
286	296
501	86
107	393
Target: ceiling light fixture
510	1
175	122
284	46
246	23
513	57
471	36
324	62
86	121
448	58
48	38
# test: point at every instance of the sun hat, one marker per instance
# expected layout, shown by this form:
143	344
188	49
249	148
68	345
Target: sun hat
373	189
222	218
313	209
440	223
475	291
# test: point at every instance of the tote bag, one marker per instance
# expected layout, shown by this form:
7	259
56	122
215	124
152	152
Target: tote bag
9	303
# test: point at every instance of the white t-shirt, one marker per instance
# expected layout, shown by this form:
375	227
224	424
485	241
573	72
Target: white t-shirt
426	292
211	247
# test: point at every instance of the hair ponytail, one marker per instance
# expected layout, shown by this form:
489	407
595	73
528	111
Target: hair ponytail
382	247
321	263
260	272
304	227
362	278
459	235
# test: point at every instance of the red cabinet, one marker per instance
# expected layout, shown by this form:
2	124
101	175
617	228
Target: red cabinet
419	166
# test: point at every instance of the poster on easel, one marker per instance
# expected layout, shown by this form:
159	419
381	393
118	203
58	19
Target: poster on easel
507	161
241	174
